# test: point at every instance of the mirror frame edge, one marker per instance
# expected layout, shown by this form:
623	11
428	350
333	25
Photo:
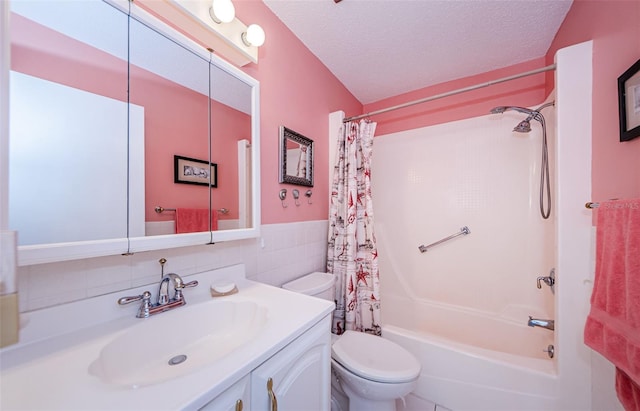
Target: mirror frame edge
289	134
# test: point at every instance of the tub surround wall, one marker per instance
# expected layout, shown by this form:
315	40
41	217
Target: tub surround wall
462	307
282	253
429	182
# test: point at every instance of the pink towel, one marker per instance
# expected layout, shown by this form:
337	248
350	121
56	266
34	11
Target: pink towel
628	391
194	220
613	324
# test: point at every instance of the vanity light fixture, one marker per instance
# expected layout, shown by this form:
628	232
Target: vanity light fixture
202	21
254	36
222	11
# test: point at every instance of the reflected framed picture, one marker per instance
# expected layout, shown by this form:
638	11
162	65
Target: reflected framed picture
629	102
193	171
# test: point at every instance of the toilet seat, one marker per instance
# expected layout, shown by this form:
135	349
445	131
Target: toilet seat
375	358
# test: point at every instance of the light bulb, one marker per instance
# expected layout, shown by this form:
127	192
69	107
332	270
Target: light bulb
254	36
222	11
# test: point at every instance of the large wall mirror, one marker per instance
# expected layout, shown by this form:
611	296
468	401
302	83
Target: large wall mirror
103	98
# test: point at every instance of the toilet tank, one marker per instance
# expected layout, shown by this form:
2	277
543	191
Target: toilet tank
317	284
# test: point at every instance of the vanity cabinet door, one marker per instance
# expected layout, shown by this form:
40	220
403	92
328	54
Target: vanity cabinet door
299	374
235	398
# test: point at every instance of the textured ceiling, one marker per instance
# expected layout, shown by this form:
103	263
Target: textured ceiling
382	48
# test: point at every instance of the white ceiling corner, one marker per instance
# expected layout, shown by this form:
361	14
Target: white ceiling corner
382	48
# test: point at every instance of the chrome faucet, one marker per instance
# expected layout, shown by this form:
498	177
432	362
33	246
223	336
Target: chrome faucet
164	303
163	290
536	322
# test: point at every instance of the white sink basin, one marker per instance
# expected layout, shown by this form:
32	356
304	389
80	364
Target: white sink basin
177	342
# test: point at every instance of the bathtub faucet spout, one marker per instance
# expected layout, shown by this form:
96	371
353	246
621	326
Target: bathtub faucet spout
536	322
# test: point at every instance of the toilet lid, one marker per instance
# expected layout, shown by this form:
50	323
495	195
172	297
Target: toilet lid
375	358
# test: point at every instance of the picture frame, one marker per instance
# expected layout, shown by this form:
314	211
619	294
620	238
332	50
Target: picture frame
629	102
295	158
193	171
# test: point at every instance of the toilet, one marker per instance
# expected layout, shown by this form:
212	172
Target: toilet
369	372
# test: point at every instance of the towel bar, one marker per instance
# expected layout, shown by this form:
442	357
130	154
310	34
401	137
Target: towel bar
160	209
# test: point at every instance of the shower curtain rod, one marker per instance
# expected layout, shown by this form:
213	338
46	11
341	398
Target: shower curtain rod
451	93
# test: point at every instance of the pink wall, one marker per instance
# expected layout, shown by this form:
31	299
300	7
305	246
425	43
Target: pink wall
299	92
527	91
614	27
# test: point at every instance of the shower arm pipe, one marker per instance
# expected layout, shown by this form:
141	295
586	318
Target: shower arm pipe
451	93
463	231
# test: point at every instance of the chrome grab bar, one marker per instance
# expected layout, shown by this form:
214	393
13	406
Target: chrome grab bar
463	231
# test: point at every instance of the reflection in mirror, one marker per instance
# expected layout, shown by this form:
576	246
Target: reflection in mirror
68	119
296	158
171	82
178	124
231	149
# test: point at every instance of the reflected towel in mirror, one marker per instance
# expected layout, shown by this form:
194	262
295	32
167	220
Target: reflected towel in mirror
194	220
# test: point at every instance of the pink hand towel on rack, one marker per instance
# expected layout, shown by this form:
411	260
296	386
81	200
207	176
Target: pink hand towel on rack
194	220
613	324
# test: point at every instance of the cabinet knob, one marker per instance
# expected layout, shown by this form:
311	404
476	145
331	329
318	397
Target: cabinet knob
239	405
272	395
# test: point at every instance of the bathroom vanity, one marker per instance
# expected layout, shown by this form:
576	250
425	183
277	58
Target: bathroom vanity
260	346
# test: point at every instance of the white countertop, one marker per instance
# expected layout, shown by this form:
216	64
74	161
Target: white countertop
49	368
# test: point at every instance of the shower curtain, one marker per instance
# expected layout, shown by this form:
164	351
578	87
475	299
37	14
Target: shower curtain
352	252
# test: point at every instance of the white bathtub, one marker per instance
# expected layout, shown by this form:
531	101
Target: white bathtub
471	361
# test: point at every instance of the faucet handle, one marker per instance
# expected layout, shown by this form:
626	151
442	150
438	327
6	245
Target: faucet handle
549	280
133	299
143	312
190	284
178	295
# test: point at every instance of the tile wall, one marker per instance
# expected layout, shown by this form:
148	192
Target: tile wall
282	253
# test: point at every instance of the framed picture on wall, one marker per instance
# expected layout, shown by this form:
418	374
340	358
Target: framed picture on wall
629	102
192	171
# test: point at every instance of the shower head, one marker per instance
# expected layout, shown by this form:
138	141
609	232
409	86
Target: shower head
524	126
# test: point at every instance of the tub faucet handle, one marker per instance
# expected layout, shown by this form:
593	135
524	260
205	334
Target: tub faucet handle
549	280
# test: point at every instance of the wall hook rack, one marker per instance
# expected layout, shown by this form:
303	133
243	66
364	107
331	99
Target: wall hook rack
283	195
308	195
296	195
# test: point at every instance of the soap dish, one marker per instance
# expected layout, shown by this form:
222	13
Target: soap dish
222	290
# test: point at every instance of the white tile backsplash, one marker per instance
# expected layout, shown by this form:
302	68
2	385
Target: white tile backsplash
290	251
